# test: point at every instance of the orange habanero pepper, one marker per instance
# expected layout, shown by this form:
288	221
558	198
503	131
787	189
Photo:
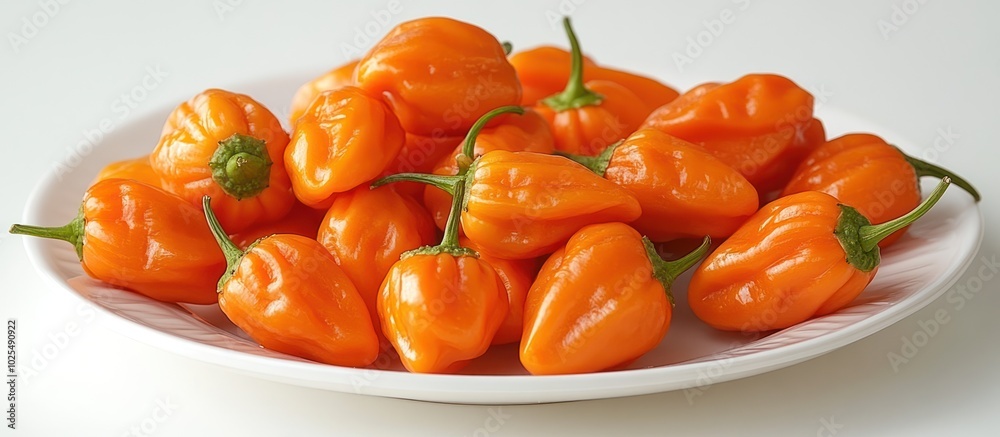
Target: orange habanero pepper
875	177
801	256
286	292
419	154
346	138
439	75
441	306
527	132
586	118
683	190
139	237
301	220
227	146
338	77
136	169
367	230
601	301
761	125
517	276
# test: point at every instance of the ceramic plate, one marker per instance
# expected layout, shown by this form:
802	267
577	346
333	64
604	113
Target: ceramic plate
914	272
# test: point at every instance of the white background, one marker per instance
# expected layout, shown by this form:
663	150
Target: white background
936	71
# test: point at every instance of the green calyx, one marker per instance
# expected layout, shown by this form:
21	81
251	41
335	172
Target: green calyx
597	164
576	95
667	271
73	232
449	244
860	238
241	166
924	168
232	252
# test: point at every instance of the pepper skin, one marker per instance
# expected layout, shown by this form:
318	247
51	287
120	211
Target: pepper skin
338	77
301	220
601	301
367	230
864	171
139	237
227	146
137	169
544	71
761	125
528	132
346	138
683	190
287	293
517	276
801	256
439	75
420	154
441	306
588	117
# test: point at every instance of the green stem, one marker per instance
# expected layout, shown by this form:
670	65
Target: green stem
871	234
446	183
667	271
232	252
576	95
469	144
924	168
597	164
241	166
507	47
72	232
449	244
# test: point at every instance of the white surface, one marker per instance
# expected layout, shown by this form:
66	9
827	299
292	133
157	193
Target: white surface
913	273
934	75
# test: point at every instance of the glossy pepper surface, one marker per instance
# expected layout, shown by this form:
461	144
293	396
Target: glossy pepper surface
683	190
420	154
441	306
301	220
137	236
366	231
137	169
601	301
228	146
439	75
761	125
346	138
801	256
517	276
338	77
587	117
286	292
875	177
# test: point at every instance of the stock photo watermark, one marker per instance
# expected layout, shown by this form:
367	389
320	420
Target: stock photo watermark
12	373
30	25
898	17
365	35
714	28
163	408
563	9
58	342
494	422
828	427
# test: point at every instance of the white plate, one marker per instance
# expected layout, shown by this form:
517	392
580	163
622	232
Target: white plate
914	272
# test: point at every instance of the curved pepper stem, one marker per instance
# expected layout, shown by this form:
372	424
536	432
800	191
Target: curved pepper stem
469	143
449	244
241	166
924	168
872	234
446	183
667	271
232	252
597	164
73	232
576	95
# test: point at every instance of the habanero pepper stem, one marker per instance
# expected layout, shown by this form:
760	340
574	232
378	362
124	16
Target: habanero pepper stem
71	232
232	252
667	271
924	168
575	95
449	243
597	164
870	235
469	144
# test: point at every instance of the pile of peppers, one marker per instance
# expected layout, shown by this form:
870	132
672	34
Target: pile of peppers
442	195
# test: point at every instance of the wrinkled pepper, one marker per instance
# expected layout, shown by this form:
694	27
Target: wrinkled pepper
286	292
338	77
227	146
439	75
875	177
420	154
761	125
441	306
527	132
600	302
587	117
801	256
346	138
366	231
517	276
136	169
141	238
683	190
301	220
